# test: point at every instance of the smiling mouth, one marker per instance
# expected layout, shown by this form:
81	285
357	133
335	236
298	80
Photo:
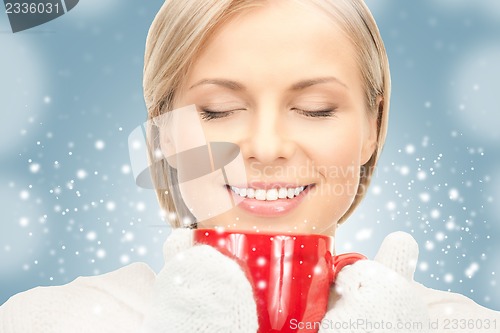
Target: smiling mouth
269	194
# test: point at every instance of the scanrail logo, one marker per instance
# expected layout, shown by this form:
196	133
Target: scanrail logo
25	15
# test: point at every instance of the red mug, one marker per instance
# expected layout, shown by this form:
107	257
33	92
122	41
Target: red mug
291	274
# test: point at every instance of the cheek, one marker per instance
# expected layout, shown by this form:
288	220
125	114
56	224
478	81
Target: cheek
205	197
181	130
233	130
335	154
337	147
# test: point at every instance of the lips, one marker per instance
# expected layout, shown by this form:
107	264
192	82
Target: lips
269	200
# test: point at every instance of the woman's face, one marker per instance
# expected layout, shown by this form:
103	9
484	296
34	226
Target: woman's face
281	81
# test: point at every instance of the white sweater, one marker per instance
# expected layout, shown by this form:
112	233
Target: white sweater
119	302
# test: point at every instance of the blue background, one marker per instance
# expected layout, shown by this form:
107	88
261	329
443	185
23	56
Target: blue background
71	92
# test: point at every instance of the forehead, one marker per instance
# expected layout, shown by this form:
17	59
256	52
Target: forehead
278	41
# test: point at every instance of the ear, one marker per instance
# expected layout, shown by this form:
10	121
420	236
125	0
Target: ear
370	140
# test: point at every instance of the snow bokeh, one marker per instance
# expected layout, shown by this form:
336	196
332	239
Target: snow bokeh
475	89
449	212
23	87
23	224
494	196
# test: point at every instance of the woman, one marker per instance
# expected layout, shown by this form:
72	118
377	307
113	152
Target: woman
289	109
301	90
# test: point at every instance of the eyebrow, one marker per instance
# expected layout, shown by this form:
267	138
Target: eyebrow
311	82
233	85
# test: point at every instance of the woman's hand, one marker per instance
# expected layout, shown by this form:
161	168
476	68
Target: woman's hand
200	290
379	295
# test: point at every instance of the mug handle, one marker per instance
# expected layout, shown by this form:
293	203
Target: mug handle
342	260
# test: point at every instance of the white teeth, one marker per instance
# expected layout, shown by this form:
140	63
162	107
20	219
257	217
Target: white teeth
272	194
269	195
260	194
235	189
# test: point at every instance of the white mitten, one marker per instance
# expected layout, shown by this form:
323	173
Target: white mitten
110	303
200	290
378	296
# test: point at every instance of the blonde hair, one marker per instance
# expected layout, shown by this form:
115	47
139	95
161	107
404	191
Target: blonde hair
182	28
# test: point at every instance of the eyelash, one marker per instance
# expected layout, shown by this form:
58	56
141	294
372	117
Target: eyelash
208	115
327	113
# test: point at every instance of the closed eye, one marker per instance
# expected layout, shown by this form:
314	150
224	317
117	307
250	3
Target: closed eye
208	114
323	113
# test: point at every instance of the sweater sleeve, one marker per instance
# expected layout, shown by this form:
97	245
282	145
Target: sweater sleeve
450	312
113	302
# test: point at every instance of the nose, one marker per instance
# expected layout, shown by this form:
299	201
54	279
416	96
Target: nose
268	141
